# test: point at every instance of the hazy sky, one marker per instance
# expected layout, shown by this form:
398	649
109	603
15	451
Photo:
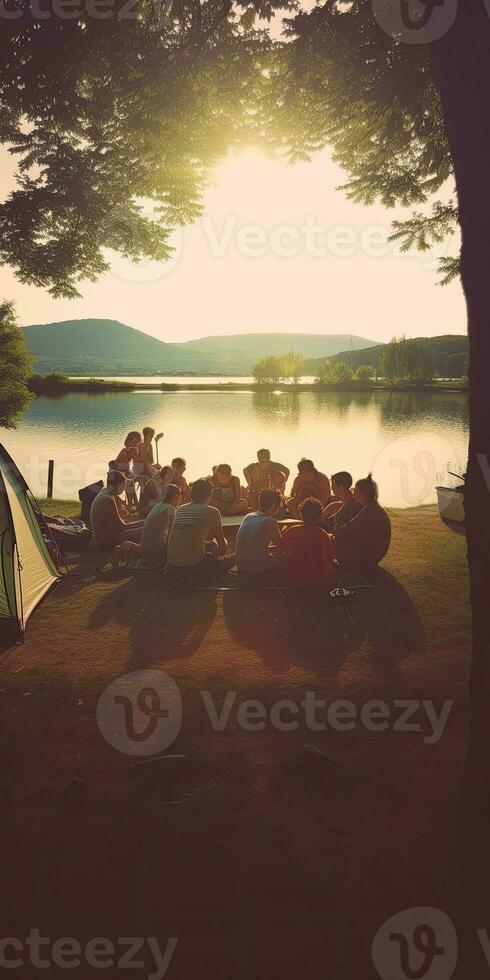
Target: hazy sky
279	249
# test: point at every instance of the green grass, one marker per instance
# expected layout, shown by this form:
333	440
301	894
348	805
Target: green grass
427	559
59	508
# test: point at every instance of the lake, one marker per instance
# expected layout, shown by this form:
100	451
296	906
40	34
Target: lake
189	379
406	439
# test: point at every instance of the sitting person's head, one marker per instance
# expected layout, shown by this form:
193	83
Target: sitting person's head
131	443
306	467
164	475
201	492
341	484
179	465
311	511
148	433
116	482
270	502
223	473
366	491
161	480
264	457
171	494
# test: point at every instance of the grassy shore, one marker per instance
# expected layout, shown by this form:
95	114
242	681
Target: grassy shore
54	388
259	855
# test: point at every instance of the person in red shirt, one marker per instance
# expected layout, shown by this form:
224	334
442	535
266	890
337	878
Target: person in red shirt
307	550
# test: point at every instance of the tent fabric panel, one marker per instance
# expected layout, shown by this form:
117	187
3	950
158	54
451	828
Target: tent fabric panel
7	557
8	608
17	481
37	573
27	505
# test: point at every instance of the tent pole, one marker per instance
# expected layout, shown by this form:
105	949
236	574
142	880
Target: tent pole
19	573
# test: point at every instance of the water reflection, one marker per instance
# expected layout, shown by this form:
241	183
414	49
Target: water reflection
280	407
418	407
405	438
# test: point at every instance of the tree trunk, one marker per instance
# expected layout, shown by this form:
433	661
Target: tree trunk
462	59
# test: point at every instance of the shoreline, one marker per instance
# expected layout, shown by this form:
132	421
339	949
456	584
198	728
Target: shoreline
51	389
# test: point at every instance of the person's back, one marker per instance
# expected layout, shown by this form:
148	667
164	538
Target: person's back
196	550
191	529
256	533
104	519
308	554
158	524
345	513
365	540
373	528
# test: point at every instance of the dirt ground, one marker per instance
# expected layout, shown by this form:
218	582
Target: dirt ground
270	850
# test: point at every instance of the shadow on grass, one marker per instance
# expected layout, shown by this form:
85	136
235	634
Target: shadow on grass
391	621
281	629
161	625
458	527
289	629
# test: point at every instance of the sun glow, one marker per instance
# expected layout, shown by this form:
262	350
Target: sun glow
277	249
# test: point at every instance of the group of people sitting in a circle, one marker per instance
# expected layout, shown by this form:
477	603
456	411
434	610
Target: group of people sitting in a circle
179	526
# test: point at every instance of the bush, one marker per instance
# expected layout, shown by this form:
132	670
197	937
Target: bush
49	384
364	372
338	373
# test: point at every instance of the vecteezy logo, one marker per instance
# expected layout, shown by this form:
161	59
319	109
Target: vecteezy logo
415	21
140	713
410	463
418	944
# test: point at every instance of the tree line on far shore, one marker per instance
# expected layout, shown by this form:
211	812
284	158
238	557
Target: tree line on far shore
413	360
407	360
402	361
290	368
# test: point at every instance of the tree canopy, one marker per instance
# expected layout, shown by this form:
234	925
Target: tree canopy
108	106
337	373
407	360
118	115
345	82
289	367
15	367
364	372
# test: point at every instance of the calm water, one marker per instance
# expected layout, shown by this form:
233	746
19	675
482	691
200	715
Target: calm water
406	439
191	379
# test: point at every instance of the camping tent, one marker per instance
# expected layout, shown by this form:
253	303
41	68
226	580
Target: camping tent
27	569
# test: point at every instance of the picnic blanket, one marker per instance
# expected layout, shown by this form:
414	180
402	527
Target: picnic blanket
126	564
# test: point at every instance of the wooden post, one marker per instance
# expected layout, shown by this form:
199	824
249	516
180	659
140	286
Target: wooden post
50	478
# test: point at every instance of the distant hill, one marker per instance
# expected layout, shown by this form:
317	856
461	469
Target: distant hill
107	347
257	345
441	348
